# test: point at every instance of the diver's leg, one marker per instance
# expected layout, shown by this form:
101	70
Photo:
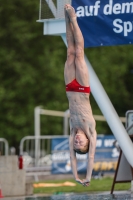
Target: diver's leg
82	74
69	70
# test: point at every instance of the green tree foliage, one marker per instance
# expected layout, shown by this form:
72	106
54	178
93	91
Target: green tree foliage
32	73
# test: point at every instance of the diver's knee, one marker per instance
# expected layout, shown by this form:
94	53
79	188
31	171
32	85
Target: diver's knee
79	52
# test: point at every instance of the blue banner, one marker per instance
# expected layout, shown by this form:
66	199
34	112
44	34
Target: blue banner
105	23
105	158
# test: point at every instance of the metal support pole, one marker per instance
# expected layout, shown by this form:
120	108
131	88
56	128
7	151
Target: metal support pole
37	133
40	8
6	148
109	112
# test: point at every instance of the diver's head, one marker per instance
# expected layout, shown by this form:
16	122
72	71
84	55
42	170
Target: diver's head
81	142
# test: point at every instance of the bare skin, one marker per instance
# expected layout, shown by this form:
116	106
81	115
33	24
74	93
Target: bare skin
82	123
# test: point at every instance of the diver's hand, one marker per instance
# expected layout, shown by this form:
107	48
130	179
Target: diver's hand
85	182
79	181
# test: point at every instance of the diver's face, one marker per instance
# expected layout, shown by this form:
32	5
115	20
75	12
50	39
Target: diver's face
80	140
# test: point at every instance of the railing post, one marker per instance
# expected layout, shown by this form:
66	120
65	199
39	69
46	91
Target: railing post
37	133
6	145
66	122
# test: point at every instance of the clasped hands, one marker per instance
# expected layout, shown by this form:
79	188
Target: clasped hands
84	182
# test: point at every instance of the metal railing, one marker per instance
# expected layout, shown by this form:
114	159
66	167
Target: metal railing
4	147
39	155
36	152
51	9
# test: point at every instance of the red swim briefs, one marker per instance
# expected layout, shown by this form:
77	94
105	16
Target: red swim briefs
74	86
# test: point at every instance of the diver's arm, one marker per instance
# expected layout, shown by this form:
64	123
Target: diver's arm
91	155
73	159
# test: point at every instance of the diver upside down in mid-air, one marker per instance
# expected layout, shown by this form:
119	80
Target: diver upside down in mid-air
82	124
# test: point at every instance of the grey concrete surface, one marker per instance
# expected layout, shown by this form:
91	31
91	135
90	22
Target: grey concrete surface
13	183
8	163
12	180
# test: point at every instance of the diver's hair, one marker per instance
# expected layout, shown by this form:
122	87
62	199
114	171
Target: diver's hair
82	151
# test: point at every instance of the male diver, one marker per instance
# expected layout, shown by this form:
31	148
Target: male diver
82	124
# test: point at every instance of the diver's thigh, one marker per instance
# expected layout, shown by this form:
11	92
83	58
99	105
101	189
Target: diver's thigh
82	74
69	71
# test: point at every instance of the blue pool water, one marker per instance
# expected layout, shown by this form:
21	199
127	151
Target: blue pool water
84	197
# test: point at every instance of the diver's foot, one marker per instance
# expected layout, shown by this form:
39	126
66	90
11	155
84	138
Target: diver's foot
71	12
